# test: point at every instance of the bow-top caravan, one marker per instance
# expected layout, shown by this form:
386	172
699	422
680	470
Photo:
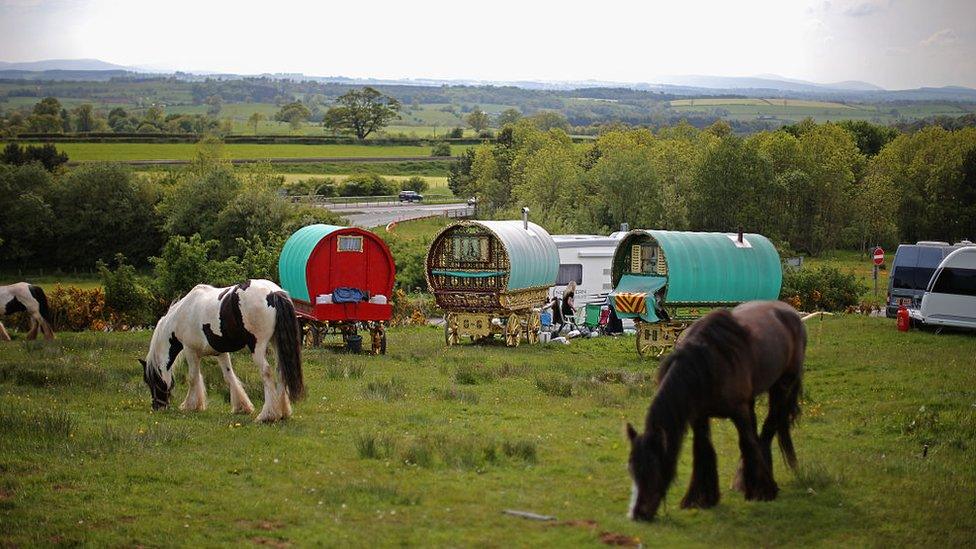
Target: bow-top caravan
492	277
340	279
666	279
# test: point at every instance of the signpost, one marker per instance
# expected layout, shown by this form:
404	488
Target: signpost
878	258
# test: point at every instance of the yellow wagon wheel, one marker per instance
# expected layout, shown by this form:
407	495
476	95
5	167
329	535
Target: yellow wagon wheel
533	326
645	340
451	336
513	331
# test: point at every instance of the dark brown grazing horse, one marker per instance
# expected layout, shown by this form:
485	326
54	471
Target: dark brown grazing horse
722	362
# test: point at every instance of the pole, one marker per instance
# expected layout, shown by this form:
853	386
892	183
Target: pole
875	280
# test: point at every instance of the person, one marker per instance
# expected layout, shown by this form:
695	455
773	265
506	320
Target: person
569	306
557	313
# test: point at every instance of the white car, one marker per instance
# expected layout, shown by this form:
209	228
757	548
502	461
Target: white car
950	299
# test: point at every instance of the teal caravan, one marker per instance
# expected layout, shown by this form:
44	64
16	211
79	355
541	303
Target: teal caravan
491	278
664	280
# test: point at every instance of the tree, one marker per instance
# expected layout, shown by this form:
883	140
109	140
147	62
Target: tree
509	116
84	118
25	216
46	117
361	112
548	120
295	113
478	119
415	183
214	103
254	120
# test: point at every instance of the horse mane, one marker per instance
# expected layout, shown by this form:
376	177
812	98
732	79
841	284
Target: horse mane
685	377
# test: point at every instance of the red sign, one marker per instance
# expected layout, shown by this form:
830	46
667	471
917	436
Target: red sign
878	256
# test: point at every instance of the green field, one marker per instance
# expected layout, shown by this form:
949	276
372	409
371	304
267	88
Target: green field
436	185
428	448
794	110
90	152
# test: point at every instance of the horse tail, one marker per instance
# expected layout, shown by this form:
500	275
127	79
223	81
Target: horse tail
791	400
38	294
287	343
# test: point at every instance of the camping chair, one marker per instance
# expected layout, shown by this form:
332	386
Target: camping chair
596	316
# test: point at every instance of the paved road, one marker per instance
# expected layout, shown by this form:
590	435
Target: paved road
362	215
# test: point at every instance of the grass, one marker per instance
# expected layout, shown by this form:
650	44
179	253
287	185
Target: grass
793	110
84	461
91	152
436	185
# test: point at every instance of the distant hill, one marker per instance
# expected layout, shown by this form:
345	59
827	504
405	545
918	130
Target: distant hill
62	65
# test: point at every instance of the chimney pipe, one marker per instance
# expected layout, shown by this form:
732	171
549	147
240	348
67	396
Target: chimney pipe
525	218
624	227
740	234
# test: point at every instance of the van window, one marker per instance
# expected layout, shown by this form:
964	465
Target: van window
914	266
928	261
955	281
572	272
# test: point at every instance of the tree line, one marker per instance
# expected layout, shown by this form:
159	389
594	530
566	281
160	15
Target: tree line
810	187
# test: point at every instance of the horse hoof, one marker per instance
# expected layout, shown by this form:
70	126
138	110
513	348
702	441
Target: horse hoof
698	502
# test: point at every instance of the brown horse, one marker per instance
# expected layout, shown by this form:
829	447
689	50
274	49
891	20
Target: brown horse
722	362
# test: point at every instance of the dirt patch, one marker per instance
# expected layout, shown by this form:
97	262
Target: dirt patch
6	495
276	543
619	540
266	525
579	523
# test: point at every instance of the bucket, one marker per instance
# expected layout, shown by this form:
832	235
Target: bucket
354	343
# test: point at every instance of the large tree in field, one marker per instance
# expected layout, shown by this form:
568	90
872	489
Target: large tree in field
361	112
295	113
478	119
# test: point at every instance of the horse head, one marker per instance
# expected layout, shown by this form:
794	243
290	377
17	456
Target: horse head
647	471
159	387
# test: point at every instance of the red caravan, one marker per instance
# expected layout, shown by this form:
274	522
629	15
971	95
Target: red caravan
340	278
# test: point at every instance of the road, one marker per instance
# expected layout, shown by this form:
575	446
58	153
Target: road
369	215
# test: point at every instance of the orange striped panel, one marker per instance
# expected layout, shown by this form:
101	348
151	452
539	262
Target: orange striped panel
630	303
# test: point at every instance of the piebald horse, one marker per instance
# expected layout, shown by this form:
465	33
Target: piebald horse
24	297
717	369
212	321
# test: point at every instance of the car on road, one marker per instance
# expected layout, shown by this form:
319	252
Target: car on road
411	196
472	201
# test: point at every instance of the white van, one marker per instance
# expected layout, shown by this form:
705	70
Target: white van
950	299
585	259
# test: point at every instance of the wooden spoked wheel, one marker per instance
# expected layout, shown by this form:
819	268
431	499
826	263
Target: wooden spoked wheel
451	336
645	341
533	326
513	331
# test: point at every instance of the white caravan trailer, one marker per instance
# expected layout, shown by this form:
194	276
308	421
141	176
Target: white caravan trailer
950	299
585	258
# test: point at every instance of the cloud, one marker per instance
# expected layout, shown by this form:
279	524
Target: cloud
850	8
944	37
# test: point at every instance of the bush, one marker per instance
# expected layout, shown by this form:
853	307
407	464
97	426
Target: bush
441	149
415	183
823	289
47	155
368	184
486	134
186	262
133	303
76	309
456	133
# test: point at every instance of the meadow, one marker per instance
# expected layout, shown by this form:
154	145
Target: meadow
428	448
108	152
794	110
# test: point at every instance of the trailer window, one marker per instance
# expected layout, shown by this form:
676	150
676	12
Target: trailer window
350	244
470	248
955	281
572	272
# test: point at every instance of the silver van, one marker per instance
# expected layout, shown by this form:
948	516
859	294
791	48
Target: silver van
911	272
950	299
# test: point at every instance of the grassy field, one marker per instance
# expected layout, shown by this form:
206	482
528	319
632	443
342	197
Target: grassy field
90	152
427	448
798	109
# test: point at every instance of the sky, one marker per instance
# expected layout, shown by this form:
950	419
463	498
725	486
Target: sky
895	44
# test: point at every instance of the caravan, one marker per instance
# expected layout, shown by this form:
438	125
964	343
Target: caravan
950	299
585	259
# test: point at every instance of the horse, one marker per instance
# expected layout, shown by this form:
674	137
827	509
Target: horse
211	321
24	297
719	366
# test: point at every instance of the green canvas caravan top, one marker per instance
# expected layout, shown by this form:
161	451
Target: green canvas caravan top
700	269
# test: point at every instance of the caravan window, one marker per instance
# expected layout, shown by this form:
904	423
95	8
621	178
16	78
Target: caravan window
350	244
914	266
572	272
955	281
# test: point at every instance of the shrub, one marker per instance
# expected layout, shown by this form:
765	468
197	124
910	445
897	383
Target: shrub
367	184
186	262
133	302
76	309
47	155
456	133
825	288
441	149
415	183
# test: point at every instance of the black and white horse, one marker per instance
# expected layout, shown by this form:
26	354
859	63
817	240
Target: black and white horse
212	321
24	297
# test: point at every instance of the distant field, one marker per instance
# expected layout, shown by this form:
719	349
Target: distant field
795	109
93	152
437	185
